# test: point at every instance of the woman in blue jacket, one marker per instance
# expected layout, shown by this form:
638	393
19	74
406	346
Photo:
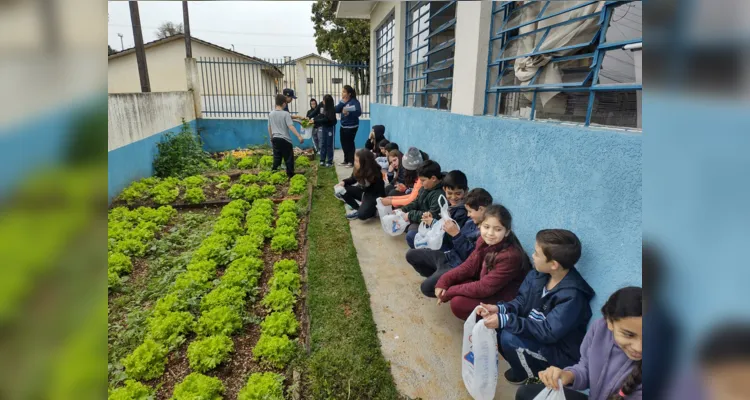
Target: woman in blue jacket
350	110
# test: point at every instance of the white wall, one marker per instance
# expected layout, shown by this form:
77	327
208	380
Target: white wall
471	49
377	16
136	116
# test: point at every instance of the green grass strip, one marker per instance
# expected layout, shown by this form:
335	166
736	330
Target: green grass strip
346	361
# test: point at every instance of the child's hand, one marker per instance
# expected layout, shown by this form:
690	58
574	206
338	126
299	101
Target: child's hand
552	375
427	218
451	227
340	184
491	321
487	309
401	187
386	201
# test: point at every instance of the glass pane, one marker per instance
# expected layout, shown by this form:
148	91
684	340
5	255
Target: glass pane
440	65
626	23
570	71
525	14
521	45
617	108
559	36
563	106
514	104
555	7
619	67
489	103
439	84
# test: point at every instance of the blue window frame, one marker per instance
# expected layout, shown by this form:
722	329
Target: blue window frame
429	51
574	61
384	57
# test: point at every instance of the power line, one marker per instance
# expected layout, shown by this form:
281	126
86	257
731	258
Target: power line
236	32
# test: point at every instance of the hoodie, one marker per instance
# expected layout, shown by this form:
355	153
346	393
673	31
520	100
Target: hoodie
604	366
350	120
463	244
557	320
427	200
371	145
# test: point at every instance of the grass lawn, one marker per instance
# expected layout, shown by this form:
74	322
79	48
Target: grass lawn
345	360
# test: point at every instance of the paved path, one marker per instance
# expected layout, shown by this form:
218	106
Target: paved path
421	340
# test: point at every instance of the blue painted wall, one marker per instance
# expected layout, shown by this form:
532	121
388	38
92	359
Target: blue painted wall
134	161
548	175
229	134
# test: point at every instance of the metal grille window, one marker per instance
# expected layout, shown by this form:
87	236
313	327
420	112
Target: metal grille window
384	58
309	80
336	80
430	40
574	61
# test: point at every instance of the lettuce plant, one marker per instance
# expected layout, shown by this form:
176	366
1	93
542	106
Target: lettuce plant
223	182
276	351
264	176
220	320
246	179
263	386
131	247
253	192
267	190
195	181
287	206
195	196
146	362
289	280
113	280
206	354
297	184
170	329
206	266
285	230
266	162
192	283
302	162
237	191
284	266
241	276
229	226
288	219
278	178
215	247
233	297
280	323
284	243
197	386
132	390
278	300
165	192
247	162
170	303
119	263
248	246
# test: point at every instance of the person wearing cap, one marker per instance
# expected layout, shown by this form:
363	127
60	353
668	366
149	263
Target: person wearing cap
406	191
289	95
350	110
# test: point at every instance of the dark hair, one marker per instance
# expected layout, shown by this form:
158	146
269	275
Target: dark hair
396	153
425	156
383	143
391	146
625	303
368	170
280	100
456	180
503	215
478	197
350	90
430	168
560	245
726	344
316	102
329	109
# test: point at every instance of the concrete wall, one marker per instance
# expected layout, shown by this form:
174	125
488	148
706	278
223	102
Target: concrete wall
548	175
377	16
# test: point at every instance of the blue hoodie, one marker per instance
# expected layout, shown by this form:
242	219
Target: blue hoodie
463	244
350	120
557	320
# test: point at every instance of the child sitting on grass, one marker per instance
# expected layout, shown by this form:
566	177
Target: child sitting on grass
494	270
546	323
370	186
434	263
431	178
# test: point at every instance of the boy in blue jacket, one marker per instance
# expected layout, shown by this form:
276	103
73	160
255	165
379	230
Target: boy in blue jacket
545	324
434	263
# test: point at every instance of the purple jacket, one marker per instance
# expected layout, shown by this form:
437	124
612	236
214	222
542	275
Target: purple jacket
603	366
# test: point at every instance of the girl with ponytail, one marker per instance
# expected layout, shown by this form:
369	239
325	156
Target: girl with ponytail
611	355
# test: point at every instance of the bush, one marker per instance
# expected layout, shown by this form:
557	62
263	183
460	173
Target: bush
132	390
180	154
119	263
248	178
263	386
237	191
220	320
264	176
267	190
146	362
195	181
283	243
280	323
297	184
276	351
206	354
289	280
195	196
278	178
278	300
248	162
287	206
285	266
224	296
197	386
170	329
170	303
266	162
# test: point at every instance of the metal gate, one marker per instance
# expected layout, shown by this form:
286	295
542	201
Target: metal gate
330	78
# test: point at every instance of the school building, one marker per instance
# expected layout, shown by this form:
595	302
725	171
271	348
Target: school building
539	102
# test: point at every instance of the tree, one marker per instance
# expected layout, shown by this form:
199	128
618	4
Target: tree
167	29
110	50
346	40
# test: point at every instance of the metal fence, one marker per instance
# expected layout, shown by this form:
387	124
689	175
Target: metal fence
330	78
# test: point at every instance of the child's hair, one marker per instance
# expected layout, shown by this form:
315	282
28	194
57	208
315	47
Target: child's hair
456	180
391	146
726	344
625	303
329	109
368	170
429	169
316	102
506	220
383	143
478	197
350	90
280	100
560	245
396	153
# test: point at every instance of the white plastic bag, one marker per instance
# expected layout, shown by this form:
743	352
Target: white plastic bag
431	237
550	394
339	190
393	223
479	358
306	133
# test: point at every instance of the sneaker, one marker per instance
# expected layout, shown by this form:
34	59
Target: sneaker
329	165
350	165
343	164
512	379
352	215
322	164
340	197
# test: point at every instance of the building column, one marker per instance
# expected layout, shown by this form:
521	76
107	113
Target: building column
301	86
471	51
399	34
194	85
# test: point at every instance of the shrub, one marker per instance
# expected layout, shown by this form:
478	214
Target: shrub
248	246
132	390
275	351
266	162
170	329
119	263
248	178
280	323
267	190
205	266
205	354
284	266
215	248
264	176
233	297
289	280
278	178
197	386
195	181
146	362
263	386
288	219
170	303
278	300
195	196
283	243
228	226
237	191
297	184
180	154
165	192
220	320
287	206
248	162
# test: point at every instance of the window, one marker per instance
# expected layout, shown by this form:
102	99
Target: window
336	80
384	59
429	50
574	61
309	80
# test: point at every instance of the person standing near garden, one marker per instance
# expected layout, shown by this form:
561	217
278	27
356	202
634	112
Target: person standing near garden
326	117
311	113
289	97
350	111
279	125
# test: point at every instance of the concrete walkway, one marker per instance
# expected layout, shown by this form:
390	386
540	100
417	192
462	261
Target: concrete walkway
420	339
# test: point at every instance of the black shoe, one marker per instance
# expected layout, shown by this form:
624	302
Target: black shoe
512	379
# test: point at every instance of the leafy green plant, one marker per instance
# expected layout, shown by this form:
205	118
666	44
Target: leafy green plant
206	266
194	181
246	179
248	246
288	219
237	191
257	225
131	247
253	192
285	266
264	176
233	297
228	226
283	243
302	162
224	182
267	190
170	329
119	263
165	192
170	303
195	196
289	280
134	193
266	162
215	248
278	178
297	184
146	361
220	320
280	323
276	351
287	206
263	386
278	300
285	230
132	390
243	273
180	154
197	386
206	354
113	280
192	283
247	162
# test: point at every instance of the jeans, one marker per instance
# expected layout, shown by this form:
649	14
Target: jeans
428	263
316	133
326	144
523	354
529	392
347	143
283	149
411	233
368	206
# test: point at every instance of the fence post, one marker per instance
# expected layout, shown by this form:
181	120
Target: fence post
194	85
301	85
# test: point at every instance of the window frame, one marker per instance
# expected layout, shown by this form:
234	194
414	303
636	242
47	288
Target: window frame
387	29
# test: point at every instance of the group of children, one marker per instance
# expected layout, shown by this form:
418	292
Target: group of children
540	309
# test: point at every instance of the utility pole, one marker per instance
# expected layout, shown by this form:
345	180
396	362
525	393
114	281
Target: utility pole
122	46
140	52
186	25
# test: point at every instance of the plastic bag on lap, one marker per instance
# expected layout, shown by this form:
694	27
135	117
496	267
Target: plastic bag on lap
431	237
393	223
550	394
479	358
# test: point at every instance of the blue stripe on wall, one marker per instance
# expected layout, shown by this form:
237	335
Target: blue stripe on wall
548	175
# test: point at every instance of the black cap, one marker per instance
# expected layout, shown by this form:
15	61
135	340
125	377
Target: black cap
289	93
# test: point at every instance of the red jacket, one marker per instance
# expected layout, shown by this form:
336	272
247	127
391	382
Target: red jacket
473	279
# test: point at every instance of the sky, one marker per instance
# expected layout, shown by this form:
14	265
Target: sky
266	29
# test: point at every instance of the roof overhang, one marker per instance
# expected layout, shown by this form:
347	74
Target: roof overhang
354	9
